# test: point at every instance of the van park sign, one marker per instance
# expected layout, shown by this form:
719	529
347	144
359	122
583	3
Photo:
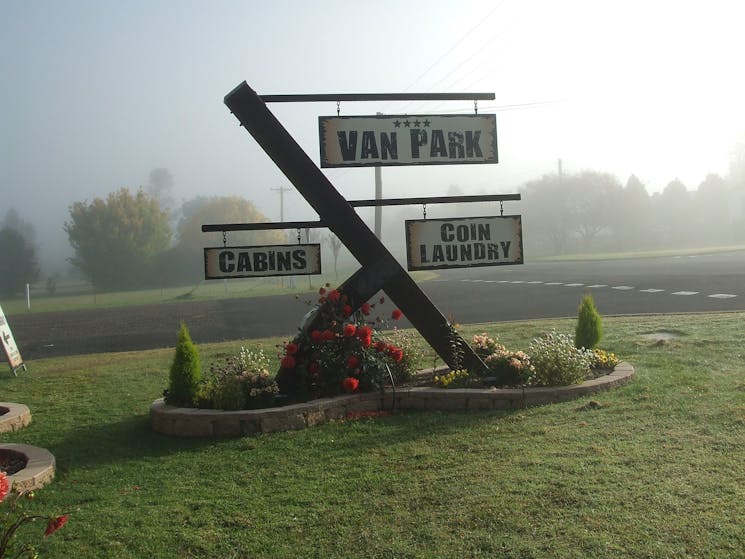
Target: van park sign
384	140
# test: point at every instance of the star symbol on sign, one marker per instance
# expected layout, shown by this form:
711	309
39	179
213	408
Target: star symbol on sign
426	123
397	123
417	123
407	123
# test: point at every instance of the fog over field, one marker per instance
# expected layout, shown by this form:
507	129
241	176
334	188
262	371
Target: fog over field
603	109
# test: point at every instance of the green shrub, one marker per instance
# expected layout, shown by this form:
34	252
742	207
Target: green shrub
589	325
186	372
557	362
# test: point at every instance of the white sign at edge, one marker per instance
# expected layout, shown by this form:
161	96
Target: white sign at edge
9	344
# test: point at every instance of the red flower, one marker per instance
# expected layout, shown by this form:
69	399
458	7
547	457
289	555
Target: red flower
365	308
334	296
328	335
364	333
316	336
288	362
395	353
353	362
55	524
291	348
380	346
396	314
4	485
349	330
350	384
347	310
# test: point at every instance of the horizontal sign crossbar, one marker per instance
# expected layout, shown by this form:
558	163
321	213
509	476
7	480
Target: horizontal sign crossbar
300	98
218	227
434	200
263	226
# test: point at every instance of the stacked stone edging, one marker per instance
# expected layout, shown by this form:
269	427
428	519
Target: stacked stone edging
16	416
192	422
39	470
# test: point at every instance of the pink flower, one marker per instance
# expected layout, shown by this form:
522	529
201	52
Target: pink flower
288	362
380	346
291	348
353	362
349	330
316	336
350	384
55	524
346	310
365	308
396	314
4	485
328	335
334	296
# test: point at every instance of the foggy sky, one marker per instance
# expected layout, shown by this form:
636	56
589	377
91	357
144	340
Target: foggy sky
96	94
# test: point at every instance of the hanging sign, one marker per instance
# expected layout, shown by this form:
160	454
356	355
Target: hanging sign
463	242
262	261
9	344
384	140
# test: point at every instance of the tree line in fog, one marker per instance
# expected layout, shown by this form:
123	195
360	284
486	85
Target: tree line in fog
133	239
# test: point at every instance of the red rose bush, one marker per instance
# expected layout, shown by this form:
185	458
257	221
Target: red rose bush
340	350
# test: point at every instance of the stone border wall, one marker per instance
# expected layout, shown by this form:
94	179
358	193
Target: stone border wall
192	422
39	470
16	416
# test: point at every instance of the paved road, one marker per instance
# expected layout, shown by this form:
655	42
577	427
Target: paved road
535	290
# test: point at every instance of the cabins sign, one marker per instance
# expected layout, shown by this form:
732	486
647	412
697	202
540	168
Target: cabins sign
384	140
262	261
463	242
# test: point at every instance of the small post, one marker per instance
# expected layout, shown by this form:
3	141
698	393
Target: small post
28	296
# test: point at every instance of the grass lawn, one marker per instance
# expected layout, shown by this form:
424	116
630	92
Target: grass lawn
656	470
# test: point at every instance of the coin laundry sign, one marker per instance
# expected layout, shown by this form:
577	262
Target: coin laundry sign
383	140
464	242
262	261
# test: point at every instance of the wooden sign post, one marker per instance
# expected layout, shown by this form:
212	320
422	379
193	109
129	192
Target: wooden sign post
380	270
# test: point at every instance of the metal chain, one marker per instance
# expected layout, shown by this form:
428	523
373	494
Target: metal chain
298	235
338	108
424	210
475	106
224	238
501	208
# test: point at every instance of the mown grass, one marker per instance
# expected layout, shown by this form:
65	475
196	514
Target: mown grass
655	470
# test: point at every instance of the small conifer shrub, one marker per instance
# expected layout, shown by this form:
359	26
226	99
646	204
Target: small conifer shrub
589	328
186	372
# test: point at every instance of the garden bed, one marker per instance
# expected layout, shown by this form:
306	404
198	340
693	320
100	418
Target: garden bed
13	416
194	422
33	467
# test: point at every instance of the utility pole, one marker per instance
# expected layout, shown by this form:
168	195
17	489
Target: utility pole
378	196
282	190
